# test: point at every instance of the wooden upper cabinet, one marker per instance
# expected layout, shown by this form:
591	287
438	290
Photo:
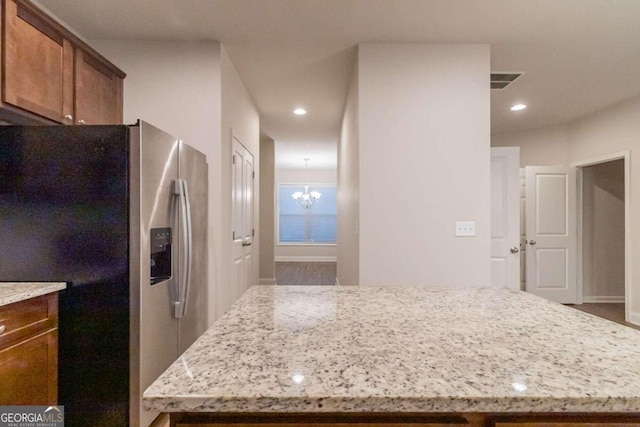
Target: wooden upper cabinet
38	64
48	72
98	92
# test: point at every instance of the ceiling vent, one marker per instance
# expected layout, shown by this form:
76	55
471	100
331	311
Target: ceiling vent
502	80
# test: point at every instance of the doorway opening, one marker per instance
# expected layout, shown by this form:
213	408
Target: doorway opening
600	223
304	215
604	269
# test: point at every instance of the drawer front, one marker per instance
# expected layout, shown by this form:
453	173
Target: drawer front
25	318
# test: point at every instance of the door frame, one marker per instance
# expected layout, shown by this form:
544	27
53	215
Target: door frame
621	155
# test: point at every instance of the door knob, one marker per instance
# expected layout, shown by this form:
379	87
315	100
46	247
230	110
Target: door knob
532	242
514	250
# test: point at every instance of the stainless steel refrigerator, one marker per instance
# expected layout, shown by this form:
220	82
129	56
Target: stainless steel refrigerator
120	214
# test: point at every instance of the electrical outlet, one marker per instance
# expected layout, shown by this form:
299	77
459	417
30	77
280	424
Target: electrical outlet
465	228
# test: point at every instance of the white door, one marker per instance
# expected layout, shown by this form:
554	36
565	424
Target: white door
505	217
551	233
242	216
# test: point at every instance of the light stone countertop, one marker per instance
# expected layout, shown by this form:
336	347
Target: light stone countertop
11	292
403	349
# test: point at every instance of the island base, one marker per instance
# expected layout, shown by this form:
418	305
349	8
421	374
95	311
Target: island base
193	419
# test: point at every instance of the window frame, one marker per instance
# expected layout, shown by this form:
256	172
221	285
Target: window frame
277	217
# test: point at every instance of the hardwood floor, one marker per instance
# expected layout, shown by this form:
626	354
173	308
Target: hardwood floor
609	311
306	273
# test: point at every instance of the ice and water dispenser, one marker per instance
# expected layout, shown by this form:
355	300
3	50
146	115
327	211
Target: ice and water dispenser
160	255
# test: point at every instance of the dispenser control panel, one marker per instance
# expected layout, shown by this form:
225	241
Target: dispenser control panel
161	265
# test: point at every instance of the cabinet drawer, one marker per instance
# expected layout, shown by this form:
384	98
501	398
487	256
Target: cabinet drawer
26	318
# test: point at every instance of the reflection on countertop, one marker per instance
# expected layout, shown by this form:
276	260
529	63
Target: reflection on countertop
403	349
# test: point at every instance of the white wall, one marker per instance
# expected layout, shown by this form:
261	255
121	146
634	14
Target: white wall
603	232
176	87
424	154
605	132
538	147
192	90
239	114
304	252
267	269
348	250
602	133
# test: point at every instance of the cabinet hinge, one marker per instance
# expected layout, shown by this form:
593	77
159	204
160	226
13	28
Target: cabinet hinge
233	159
233	235
253	232
253	174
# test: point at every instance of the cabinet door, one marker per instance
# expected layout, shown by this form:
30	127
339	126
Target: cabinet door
38	64
98	92
29	371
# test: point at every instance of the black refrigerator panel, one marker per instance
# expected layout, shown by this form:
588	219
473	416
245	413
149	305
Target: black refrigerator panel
63	203
64	215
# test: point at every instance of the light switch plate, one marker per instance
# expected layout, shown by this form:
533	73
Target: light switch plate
465	228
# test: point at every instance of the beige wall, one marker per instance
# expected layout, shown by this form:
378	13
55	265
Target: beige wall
304	252
158	91
538	147
240	116
424	156
348	250
193	91
267	272
603	232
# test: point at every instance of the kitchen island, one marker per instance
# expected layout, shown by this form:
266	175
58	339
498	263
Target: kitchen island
403	354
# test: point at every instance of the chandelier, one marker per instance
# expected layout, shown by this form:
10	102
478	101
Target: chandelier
307	198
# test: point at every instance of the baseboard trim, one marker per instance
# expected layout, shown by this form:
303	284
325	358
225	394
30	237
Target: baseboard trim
634	317
306	259
594	299
267	282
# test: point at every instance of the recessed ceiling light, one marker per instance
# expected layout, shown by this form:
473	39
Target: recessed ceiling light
518	107
299	111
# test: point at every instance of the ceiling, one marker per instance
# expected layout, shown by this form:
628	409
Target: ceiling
578	56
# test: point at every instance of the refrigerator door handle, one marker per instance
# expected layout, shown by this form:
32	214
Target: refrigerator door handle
189	248
181	189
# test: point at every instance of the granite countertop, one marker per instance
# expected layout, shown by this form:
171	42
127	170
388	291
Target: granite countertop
11	292
431	349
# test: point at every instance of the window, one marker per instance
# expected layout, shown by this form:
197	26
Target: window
298	225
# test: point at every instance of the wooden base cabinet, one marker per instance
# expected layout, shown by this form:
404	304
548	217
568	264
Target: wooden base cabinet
29	352
50	75
315	420
402	420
